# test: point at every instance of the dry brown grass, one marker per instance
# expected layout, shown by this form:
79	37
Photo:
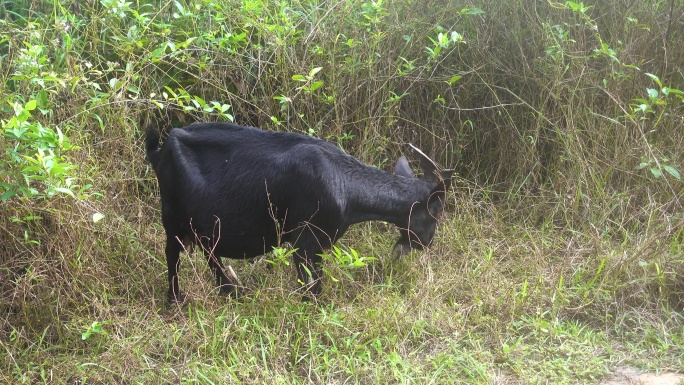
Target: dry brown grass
558	261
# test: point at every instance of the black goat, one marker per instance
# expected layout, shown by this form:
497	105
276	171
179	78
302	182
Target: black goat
239	191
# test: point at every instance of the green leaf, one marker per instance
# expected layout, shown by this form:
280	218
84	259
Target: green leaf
98	217
454	79
74	83
315	86
471	11
672	171
201	101
656	172
314	71
299	78
652	93
60	137
99	119
8	194
173	94
42	99
31	105
65	191
655	79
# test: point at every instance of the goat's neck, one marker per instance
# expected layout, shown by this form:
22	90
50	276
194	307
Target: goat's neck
385	197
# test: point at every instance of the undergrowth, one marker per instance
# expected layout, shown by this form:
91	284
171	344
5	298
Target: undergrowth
560	258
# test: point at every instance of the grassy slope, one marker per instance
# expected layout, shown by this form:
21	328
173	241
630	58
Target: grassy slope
557	262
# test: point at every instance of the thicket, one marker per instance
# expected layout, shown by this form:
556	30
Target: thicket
561	117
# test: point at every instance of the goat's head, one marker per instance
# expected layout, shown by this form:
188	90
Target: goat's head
420	225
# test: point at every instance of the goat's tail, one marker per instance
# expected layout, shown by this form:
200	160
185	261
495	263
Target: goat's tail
152	144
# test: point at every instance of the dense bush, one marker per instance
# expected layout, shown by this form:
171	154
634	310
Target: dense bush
562	120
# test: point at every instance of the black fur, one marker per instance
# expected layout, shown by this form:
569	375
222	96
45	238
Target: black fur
239	191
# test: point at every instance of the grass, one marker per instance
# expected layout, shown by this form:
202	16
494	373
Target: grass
560	259
491	302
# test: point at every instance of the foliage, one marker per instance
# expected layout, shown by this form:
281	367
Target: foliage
559	258
344	261
35	156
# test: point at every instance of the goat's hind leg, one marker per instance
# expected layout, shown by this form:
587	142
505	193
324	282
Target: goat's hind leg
173	249
227	285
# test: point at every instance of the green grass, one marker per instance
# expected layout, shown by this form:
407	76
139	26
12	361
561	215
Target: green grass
484	305
560	259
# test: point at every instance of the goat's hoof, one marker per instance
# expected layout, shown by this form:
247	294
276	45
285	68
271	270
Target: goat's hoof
230	291
313	298
177	299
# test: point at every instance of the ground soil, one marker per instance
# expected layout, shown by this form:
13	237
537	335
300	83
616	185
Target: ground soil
629	376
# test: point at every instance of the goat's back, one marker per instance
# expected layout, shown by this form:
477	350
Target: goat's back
246	182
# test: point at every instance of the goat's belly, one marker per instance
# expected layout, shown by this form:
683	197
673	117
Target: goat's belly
239	245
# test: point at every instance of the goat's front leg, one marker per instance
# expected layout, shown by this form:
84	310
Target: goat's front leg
308	264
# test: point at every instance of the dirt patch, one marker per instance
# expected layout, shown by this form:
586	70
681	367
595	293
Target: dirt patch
631	376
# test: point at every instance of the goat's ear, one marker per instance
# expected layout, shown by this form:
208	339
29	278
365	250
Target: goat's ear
402	168
438	193
445	178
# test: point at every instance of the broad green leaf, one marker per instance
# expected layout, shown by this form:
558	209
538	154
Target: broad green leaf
299	78
170	91
200	101
672	171
42	99
74	83
316	85
65	191
471	11
456	37
656	172
655	79
31	105
314	71
8	194
454	79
